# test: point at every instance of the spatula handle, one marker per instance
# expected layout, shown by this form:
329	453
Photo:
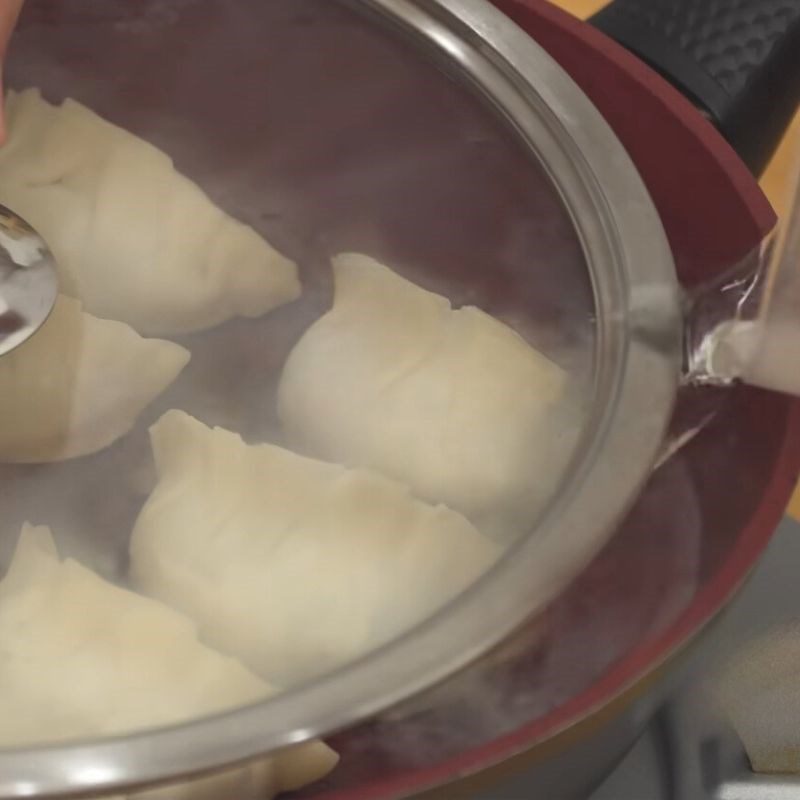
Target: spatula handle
738	60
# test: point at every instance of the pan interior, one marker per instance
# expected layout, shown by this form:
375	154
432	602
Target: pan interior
328	133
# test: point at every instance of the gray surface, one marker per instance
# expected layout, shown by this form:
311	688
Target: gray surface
771	597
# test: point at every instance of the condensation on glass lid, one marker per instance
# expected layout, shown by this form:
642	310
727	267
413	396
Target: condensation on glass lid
345	272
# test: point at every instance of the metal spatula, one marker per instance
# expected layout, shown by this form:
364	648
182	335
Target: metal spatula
28	281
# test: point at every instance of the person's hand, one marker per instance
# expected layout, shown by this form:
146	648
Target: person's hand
9	12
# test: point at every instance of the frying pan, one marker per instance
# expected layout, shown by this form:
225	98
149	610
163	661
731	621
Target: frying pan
698	525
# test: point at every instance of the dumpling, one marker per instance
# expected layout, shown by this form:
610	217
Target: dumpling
134	240
78	385
451	402
293	565
83	658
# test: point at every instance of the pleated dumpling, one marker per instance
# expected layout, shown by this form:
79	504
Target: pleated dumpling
78	385
82	658
293	565
451	402
134	240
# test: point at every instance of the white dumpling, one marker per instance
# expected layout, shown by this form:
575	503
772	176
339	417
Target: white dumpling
293	565
78	385
134	239
451	402
82	658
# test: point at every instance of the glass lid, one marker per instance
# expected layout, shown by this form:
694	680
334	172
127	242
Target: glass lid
367	337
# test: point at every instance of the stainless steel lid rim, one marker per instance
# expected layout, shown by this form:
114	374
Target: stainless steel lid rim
639	356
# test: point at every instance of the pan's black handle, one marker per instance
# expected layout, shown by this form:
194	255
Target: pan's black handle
738	60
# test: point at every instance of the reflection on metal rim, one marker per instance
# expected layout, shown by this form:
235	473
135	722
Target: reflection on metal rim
638	356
